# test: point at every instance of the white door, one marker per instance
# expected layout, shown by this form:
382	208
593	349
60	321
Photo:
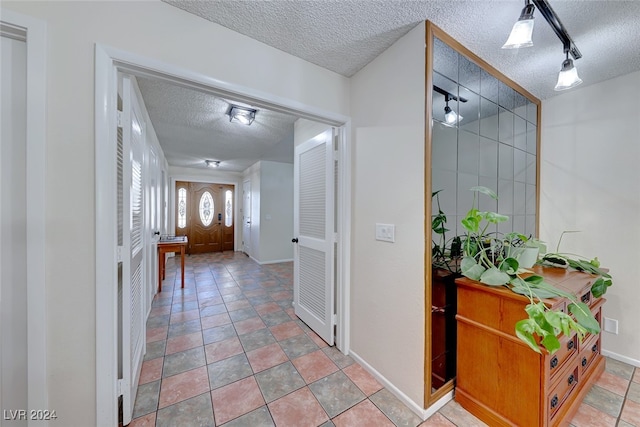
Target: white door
313	289
246	217
133	274
14	225
152	225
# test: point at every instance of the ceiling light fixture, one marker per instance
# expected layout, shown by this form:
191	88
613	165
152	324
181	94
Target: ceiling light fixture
450	116
213	163
568	75
243	115
522	30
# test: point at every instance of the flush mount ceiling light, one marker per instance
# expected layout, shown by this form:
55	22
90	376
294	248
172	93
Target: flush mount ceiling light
568	77
242	115
450	116
522	30
213	163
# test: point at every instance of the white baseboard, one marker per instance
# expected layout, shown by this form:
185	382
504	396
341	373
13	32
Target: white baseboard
621	358
273	262
415	407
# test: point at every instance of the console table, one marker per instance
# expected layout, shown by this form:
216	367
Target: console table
499	378
170	244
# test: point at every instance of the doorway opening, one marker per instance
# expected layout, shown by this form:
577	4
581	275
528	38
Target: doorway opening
109	62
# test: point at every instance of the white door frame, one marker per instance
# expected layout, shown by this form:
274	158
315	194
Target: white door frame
108	61
37	388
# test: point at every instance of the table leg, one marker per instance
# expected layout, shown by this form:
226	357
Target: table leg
182	264
160	269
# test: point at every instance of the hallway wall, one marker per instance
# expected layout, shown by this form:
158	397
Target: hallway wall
164	33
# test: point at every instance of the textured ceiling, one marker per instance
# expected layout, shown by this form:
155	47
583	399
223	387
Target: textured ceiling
345	35
192	126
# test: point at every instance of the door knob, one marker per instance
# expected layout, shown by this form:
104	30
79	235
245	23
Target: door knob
157	233
294	240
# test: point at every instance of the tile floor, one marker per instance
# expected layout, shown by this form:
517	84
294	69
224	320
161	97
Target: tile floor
228	350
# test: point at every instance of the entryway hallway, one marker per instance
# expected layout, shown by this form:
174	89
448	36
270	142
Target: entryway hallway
228	350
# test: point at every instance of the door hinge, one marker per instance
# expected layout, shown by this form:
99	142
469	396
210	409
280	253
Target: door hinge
335	237
334	319
119	251
119	387
119	118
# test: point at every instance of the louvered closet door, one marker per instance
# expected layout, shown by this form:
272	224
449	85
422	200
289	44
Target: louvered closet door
314	230
132	303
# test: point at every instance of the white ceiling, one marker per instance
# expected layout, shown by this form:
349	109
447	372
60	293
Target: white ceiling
344	36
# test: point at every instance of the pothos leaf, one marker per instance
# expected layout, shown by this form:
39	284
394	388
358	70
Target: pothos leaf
584	317
600	286
485	190
494	277
551	343
524	330
471	269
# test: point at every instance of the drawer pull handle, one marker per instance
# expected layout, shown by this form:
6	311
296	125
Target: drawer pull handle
570	345
571	379
554	362
594	348
554	401
586	298
584	362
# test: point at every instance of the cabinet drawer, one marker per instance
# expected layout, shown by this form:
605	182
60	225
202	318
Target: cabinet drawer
554	362
567	380
589	350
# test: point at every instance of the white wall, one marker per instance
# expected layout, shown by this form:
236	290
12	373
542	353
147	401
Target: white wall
271	211
141	28
13	227
589	182
304	130
276	212
387	298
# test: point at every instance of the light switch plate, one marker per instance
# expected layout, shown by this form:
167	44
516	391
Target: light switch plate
386	232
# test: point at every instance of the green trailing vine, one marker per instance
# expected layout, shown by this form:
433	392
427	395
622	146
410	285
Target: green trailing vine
489	260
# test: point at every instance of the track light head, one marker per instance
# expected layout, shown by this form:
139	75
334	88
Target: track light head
522	30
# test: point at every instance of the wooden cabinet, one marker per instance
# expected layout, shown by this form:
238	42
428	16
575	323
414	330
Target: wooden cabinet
499	378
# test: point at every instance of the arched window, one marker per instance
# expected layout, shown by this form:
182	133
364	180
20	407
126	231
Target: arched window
228	208
182	208
206	209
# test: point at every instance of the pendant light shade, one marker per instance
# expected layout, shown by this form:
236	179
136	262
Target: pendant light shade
522	30
568	76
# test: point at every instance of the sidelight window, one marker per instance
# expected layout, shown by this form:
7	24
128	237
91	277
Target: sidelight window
182	208
228	208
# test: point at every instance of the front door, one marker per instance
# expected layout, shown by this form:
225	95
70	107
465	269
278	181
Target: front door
205	214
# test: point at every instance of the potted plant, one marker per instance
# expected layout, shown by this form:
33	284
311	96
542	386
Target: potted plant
494	261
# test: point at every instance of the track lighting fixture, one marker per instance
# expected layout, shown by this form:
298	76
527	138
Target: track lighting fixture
242	115
212	163
450	116
521	35
522	30
568	75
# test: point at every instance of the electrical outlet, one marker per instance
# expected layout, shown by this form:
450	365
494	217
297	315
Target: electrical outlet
611	325
386	232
